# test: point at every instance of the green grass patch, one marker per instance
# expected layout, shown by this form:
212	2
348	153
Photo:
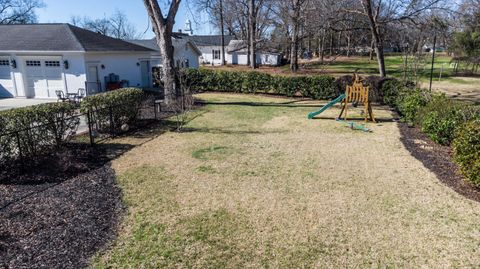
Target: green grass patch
213	152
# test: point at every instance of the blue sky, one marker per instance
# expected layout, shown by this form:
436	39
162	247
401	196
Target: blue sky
63	10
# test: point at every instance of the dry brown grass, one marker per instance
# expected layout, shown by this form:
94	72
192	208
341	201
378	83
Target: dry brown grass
262	187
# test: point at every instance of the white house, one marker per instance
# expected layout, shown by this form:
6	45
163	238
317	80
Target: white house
237	54
210	47
185	53
38	59
235	51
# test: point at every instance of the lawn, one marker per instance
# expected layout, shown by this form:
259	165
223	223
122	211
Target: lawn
252	183
459	87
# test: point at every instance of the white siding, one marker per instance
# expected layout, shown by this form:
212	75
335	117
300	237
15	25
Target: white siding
207	55
186	53
122	64
75	74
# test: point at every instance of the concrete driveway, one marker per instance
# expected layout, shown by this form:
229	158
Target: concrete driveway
8	103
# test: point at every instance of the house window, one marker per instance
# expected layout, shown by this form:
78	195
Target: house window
33	63
52	63
4	62
216	54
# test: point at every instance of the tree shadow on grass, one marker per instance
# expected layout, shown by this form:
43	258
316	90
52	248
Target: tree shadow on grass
62	209
259	104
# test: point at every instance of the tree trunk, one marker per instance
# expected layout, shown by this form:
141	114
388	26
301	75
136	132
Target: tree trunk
331	44
163	28
249	51
348	45
322	47
367	6
222	30
168	67
372	48
294	41
253	28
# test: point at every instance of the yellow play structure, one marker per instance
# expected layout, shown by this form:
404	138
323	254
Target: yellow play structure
357	94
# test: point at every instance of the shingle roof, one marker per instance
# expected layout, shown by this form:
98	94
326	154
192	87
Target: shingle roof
209	40
59	37
152	44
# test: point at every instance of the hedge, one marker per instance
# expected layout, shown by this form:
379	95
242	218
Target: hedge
466	148
441	116
122	105
28	131
316	87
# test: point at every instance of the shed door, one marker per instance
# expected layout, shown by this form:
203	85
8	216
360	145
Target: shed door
6	82
43	77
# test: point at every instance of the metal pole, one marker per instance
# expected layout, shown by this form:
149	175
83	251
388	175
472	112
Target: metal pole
90	133
433	59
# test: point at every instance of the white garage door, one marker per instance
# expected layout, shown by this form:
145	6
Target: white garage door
43	77
6	82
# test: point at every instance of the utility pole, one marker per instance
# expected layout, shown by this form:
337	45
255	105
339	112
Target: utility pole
433	59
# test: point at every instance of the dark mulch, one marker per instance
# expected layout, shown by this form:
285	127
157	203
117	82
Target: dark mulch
438	159
57	211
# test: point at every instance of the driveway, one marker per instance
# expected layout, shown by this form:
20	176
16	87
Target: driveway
8	103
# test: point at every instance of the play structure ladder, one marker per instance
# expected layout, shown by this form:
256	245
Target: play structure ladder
327	106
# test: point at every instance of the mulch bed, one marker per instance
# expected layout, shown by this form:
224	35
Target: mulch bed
58	211
438	159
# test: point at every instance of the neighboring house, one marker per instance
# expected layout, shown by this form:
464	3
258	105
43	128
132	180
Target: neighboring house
38	59
185	54
211	47
237	54
235	50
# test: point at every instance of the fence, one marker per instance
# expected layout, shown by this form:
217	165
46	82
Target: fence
99	125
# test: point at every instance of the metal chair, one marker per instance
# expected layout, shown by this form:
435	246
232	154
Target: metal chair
81	93
61	96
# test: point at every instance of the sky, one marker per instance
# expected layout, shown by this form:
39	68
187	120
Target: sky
61	11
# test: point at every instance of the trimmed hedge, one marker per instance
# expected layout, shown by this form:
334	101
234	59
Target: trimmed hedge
122	104
466	148
28	131
318	87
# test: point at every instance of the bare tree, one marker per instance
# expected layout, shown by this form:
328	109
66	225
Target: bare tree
381	13
163	28
116	26
19	11
215	8
121	27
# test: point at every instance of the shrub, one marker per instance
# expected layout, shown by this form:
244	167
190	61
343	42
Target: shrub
390	90
320	87
122	104
254	82
33	129
466	148
409	102
442	116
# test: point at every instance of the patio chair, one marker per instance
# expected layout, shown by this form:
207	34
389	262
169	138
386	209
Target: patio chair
61	96
76	96
81	93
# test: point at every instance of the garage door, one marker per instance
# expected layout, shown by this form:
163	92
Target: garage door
6	82
43	77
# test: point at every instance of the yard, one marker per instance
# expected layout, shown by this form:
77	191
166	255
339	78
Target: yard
463	88
252	183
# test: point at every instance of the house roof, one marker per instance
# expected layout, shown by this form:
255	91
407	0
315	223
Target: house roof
59	37
209	40
240	46
152	44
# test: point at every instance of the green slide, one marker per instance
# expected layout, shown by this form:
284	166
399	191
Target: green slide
327	106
